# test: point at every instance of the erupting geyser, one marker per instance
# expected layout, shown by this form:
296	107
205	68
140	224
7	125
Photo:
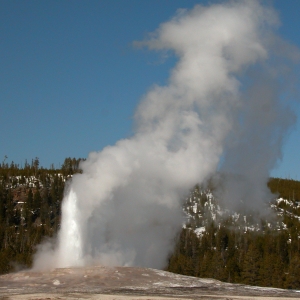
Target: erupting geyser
125	208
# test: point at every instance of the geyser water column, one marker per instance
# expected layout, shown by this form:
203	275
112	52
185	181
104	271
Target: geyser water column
125	208
70	232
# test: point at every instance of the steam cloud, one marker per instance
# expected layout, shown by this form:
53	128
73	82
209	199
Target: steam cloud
125	208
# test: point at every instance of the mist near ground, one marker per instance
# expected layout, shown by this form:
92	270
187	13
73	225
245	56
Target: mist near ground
223	109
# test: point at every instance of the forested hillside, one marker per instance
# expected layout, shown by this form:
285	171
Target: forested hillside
213	243
30	201
235	248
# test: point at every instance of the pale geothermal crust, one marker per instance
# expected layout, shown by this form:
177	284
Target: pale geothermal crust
122	283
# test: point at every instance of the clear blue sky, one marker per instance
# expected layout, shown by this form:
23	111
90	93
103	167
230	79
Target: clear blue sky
70	78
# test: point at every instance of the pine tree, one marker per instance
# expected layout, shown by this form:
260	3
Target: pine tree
293	278
29	209
251	266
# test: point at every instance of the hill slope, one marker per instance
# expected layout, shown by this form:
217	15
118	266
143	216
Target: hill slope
234	247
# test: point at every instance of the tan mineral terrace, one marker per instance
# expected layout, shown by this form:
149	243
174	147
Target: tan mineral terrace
122	283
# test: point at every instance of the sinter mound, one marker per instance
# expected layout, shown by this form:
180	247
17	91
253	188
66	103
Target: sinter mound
101	282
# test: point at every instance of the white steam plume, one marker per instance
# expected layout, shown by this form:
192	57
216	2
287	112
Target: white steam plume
125	208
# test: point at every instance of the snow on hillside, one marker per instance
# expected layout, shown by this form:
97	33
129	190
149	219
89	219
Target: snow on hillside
201	208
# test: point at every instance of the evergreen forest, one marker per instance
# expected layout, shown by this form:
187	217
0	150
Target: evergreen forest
232	247
30	202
